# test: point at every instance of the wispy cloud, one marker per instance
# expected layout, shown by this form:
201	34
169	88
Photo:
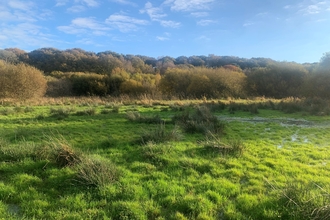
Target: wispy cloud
79	5
88	41
89	3
83	26
206	22
310	7
203	38
189	5
171	24
156	14
24	34
200	14
61	2
76	9
124	2
162	38
21	5
246	24
125	23
19	11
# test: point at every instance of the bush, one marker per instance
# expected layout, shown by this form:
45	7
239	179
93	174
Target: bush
21	81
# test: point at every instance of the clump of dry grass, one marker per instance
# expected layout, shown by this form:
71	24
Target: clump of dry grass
96	172
231	147
59	151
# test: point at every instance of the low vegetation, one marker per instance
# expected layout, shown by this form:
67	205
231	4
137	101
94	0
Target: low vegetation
131	159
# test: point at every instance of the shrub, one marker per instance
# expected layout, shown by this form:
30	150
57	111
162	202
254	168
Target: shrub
21	81
290	106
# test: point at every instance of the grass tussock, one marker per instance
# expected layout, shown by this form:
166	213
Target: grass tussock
93	171
60	152
200	120
300	200
160	134
18	151
61	113
135	116
89	111
232	147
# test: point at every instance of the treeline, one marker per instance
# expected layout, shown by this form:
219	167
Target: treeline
76	72
78	60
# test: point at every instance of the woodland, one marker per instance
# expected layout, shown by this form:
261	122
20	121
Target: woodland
75	72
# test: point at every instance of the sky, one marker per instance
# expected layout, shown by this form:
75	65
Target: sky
282	30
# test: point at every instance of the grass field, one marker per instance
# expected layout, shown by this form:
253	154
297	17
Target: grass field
74	159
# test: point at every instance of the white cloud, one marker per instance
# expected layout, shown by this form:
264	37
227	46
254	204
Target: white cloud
156	14
124	2
153	12
7	16
310	7
82	5
20	5
171	24
25	34
200	14
246	24
90	3
19	11
206	22
189	5
162	38
88	41
76	9
125	23
71	29
84	25
203	38
61	2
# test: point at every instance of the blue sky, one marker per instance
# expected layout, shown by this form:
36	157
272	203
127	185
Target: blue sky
278	29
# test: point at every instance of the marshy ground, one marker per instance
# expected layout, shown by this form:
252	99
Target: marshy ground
96	159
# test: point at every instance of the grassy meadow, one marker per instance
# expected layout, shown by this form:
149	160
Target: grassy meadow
195	159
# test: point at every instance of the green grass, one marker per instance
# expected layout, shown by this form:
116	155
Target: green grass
89	161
